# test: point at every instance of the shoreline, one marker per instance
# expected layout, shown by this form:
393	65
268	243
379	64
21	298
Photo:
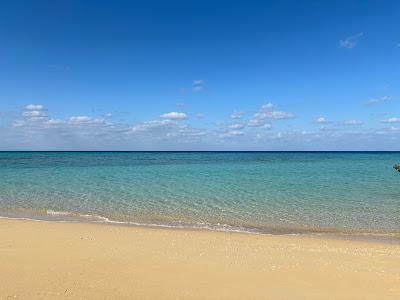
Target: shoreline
65	260
328	233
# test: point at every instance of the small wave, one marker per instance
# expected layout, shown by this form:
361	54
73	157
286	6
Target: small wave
65	216
57	213
180	225
95	218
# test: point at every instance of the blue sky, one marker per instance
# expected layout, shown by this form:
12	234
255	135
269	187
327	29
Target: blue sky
199	75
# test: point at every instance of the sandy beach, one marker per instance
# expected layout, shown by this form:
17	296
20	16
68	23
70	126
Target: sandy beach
54	260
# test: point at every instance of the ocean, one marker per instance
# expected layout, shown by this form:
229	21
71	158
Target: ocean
354	194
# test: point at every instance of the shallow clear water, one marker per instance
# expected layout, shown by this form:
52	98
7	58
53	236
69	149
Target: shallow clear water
269	192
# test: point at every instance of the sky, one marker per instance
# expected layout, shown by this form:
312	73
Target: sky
199	75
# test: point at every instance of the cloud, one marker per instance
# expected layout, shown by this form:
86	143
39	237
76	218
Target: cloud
198	82
351	41
232	134
33	131
80	119
321	120
34	107
236	115
174	116
36	129
151	125
85	120
259	124
197	89
235	132
167	131
374	101
267	112
280	115
266	126
392	120
352	122
27	131
34	114
256	122
235	126
55	122
388	130
197	85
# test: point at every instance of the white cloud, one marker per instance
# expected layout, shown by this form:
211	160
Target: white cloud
85	120
267	112
80	119
108	115
280	115
352	122
232	134
151	125
86	132
267	106
174	116
256	122
236	115
55	122
30	115
267	126
167	130
34	107
197	85
34	113
235	126
321	120
259	123
388	130
32	129
351	41
392	120
373	101
197	89
198	82
235	132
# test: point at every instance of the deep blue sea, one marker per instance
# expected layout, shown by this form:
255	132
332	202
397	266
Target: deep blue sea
351	193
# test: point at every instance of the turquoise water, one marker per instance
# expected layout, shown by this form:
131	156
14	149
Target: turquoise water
266	192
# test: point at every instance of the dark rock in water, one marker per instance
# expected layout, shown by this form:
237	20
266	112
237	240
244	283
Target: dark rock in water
397	167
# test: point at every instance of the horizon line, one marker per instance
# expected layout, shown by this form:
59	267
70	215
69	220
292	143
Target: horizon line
231	151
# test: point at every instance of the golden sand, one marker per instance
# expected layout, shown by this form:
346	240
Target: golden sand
51	260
